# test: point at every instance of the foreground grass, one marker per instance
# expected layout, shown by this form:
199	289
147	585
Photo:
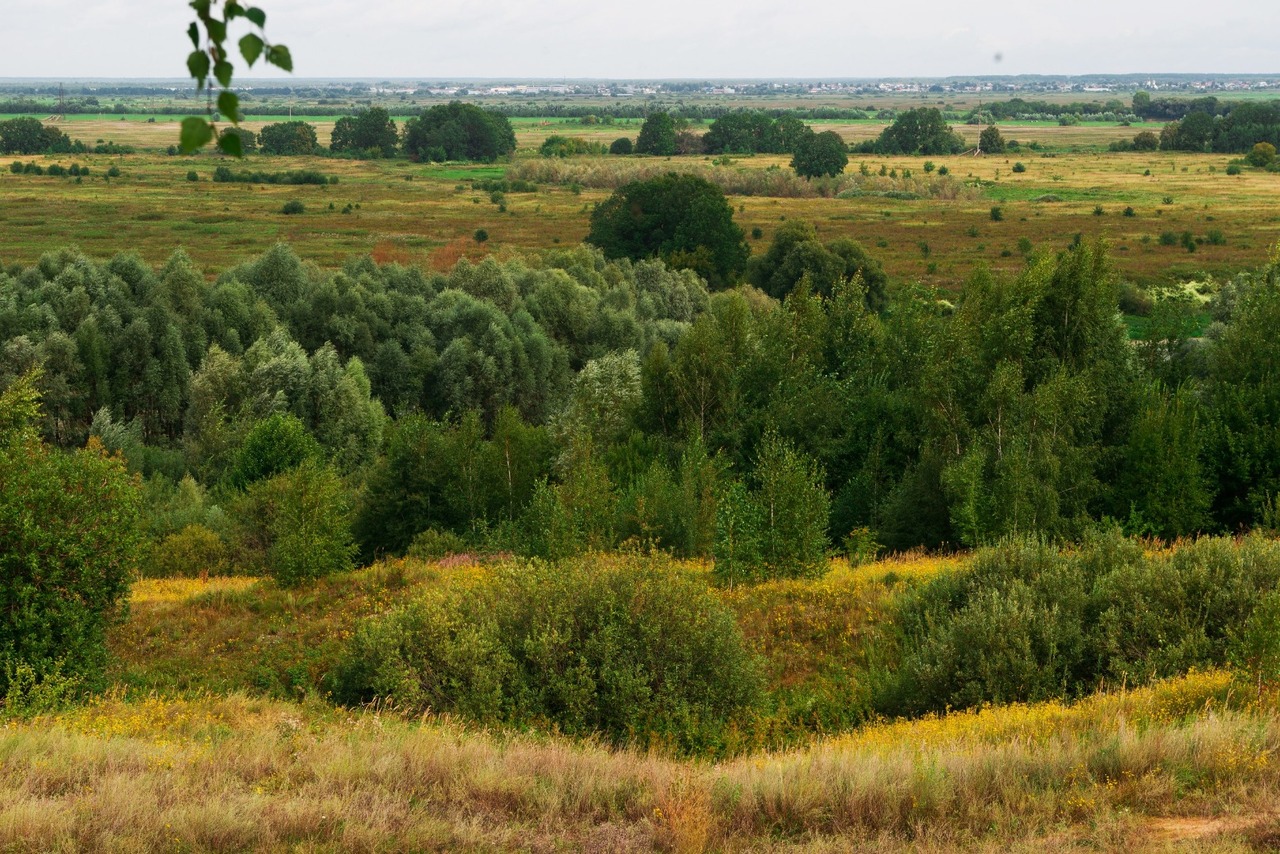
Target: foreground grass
1178	761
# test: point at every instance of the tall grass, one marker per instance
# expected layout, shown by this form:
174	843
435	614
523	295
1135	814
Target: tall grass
234	773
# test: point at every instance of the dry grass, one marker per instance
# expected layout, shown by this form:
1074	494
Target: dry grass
222	773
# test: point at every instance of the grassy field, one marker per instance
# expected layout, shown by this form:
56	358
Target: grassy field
428	214
197	750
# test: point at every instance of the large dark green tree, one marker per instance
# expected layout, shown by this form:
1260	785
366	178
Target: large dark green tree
919	131
683	219
819	154
370	132
458	131
657	135
295	138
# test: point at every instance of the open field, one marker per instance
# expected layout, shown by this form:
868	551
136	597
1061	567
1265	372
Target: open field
424	214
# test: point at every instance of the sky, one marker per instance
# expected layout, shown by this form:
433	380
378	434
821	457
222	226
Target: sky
441	39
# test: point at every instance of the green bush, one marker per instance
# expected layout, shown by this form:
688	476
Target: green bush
193	551
1019	167
296	527
273	445
293	206
433	544
634	649
69	536
1025	621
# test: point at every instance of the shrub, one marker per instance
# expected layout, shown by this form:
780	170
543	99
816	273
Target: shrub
1168	238
293	206
113	171
1234	168
997	213
481	235
433	544
69	535
1130	212
636	650
1019	167
193	176
1215	237
195	551
1025	621
1262	154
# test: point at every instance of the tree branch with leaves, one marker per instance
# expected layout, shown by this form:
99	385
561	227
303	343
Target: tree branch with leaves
210	63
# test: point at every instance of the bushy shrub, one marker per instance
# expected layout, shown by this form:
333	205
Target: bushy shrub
69	535
1026	621
1019	167
296	527
636	650
433	544
293	206
195	551
622	145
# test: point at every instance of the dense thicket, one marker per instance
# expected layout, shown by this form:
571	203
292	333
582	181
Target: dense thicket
565	402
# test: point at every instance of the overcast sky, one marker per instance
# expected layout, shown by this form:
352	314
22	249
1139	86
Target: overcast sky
432	39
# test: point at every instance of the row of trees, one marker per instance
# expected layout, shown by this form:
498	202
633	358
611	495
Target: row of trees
1235	133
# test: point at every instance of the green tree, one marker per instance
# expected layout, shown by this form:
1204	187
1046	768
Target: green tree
29	136
621	145
248	140
1141	104
919	131
276	444
683	219
657	135
819	154
372	131
69	539
308	520
991	141
288	138
458	131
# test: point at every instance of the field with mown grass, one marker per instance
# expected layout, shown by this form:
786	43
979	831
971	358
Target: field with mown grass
217	736
428	214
